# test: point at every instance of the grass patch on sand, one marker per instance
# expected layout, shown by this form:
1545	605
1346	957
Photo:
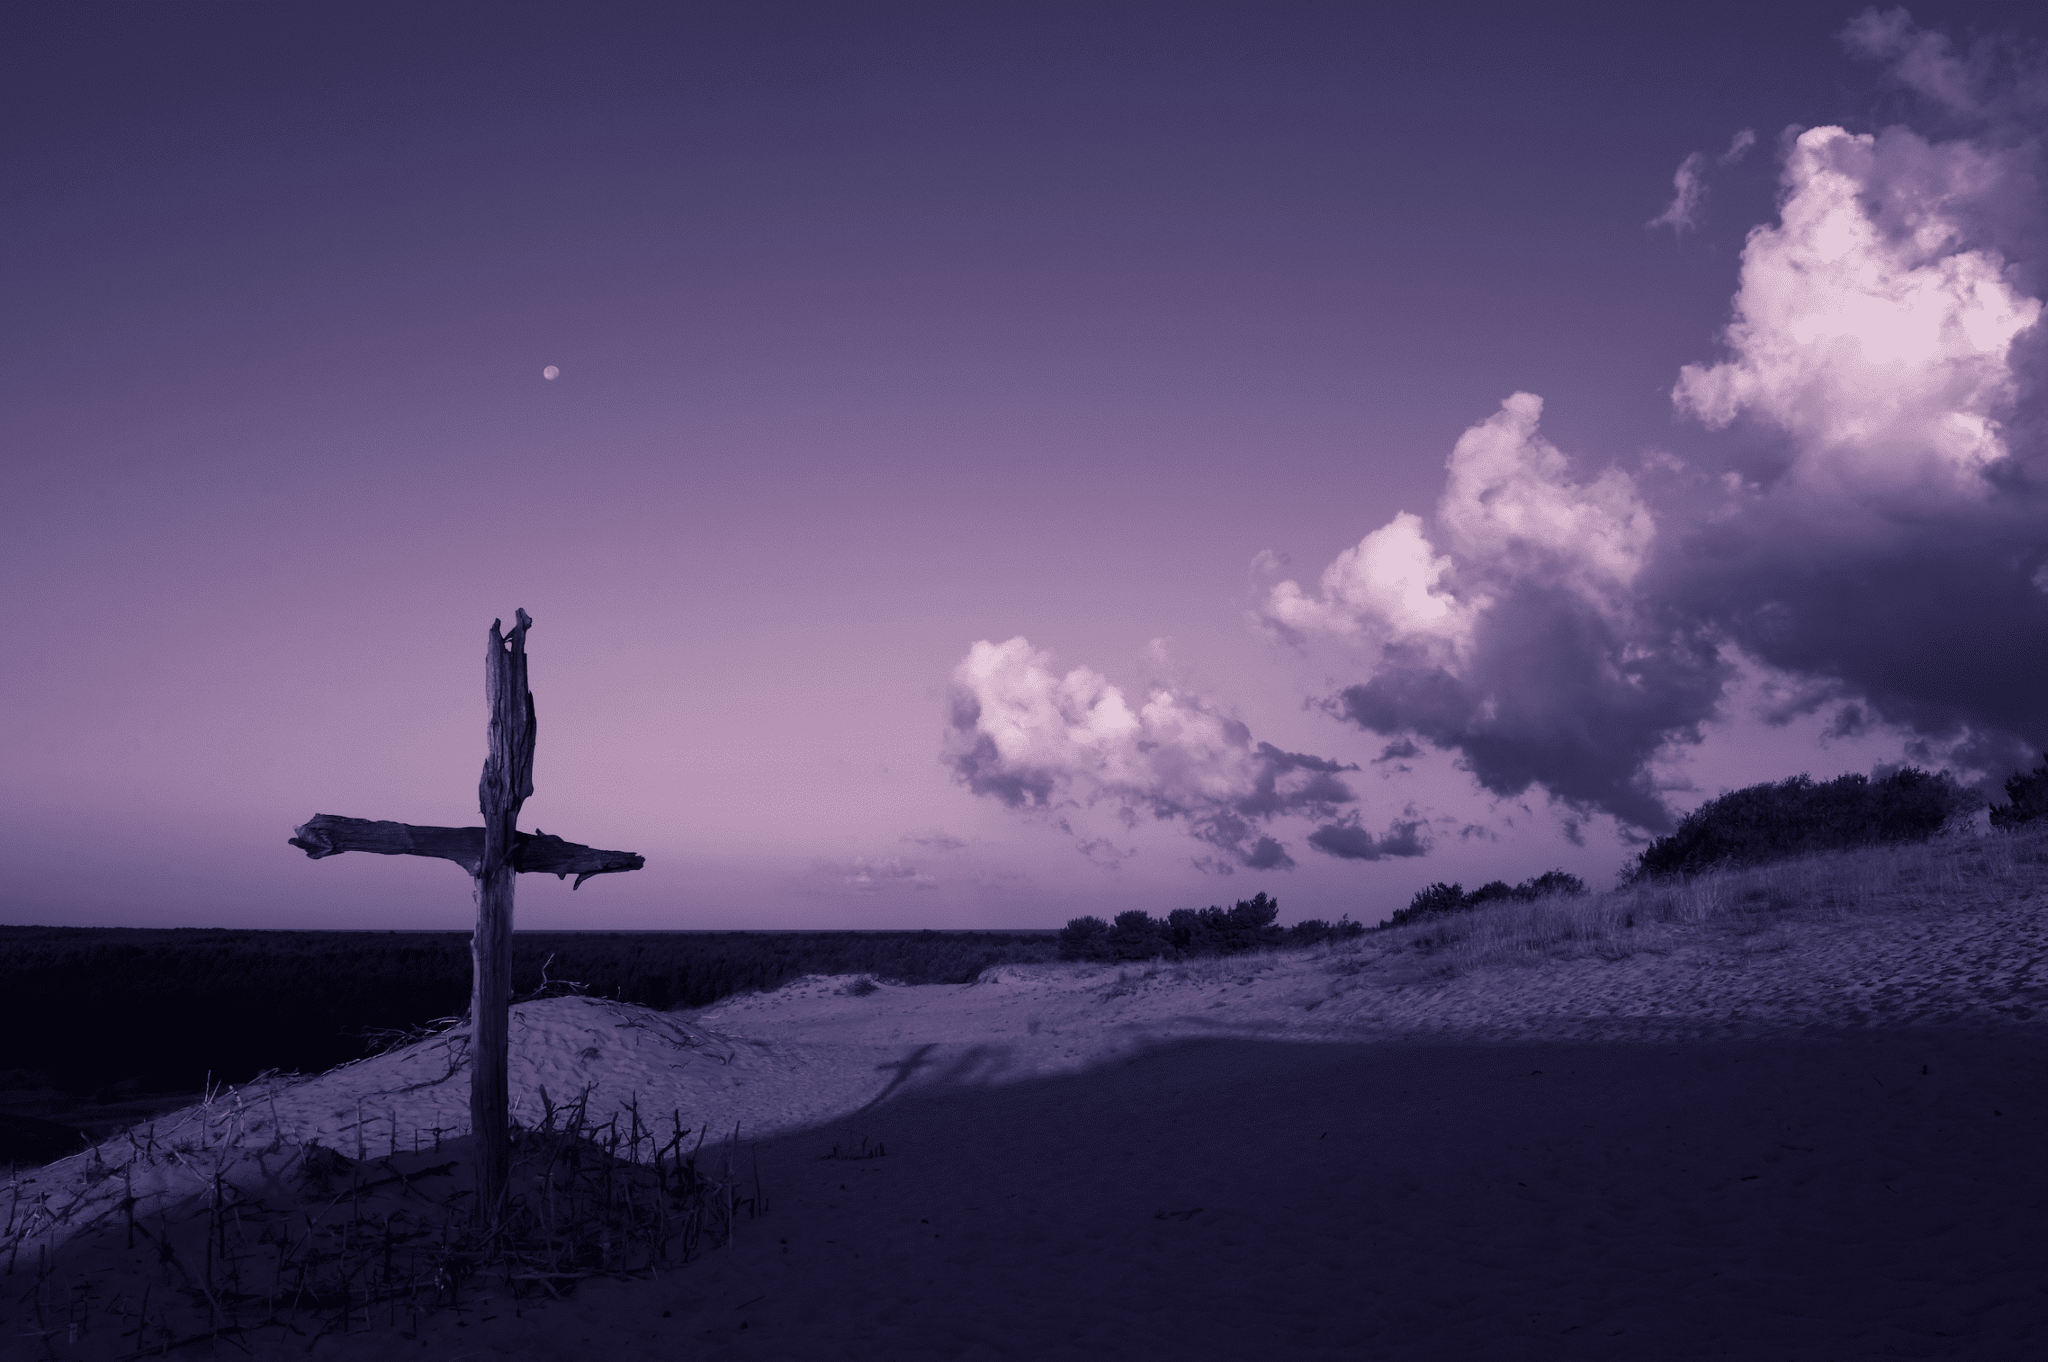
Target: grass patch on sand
1758	904
287	1243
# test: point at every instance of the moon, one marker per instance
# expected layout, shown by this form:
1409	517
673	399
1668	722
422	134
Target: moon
551	373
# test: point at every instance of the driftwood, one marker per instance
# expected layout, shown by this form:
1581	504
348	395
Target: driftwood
325	834
494	855
507	781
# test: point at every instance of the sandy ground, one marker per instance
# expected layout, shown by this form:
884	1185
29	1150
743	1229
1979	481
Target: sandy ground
1818	1141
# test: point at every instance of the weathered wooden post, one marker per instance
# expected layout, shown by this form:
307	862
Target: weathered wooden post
492	854
506	782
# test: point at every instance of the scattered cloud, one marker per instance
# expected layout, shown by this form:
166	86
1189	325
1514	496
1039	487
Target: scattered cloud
1096	850
1851	721
1689	184
1866	328
1919	59
1000	877
935	841
1037	740
1993	79
1997	84
1350	842
872	876
1267	563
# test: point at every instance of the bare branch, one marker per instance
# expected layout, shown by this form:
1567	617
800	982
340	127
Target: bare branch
536	852
326	835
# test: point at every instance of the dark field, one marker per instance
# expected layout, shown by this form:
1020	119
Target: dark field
106	1026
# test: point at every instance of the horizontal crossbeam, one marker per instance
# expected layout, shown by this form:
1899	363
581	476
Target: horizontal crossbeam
536	852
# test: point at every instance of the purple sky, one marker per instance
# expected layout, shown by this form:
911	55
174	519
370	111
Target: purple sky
886	333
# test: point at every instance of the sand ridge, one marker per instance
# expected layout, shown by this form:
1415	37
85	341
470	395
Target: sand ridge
1013	1105
822	1049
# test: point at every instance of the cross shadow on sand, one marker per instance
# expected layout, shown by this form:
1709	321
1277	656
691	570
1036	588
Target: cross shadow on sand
1825	1194
1831	1194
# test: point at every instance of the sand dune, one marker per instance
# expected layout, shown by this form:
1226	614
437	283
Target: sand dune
1817	1138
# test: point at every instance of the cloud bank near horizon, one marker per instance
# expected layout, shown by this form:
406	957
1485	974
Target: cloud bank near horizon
1868	535
1886	553
1048	744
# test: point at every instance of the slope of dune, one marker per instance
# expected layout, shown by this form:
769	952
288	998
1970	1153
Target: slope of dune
1772	1131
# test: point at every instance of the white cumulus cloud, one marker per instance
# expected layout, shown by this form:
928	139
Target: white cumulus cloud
1878	537
1023	733
1510	513
1388	586
1519	642
1551	628
1511	509
1866	325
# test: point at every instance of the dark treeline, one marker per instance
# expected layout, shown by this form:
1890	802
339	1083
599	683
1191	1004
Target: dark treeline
1187	932
83	1009
1798	817
1772	822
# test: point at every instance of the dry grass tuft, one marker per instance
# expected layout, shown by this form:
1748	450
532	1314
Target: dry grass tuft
300	1241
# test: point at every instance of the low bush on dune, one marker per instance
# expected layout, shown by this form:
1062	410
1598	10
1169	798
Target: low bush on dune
1184	933
1441	899
2026	799
1750	910
1799	817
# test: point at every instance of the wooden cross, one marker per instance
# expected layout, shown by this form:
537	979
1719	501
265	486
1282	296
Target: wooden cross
492	854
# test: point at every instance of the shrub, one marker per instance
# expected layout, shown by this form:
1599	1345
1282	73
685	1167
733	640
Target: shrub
1082	939
1245	926
2027	799
1441	898
1438	899
1551	882
1797	817
1314	931
1135	936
